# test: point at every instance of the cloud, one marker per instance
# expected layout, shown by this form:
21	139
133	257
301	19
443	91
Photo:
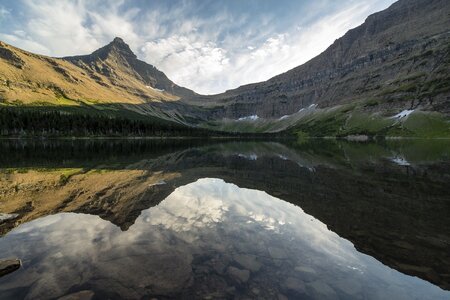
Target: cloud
4	12
207	46
189	62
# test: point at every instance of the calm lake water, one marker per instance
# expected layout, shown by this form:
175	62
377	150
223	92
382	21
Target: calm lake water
112	219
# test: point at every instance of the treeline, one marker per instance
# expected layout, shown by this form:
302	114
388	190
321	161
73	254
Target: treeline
29	122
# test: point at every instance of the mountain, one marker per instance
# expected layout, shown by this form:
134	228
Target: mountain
116	61
388	76
397	59
109	79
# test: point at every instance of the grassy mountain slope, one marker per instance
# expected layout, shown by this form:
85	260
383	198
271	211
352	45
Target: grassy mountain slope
397	62
28	78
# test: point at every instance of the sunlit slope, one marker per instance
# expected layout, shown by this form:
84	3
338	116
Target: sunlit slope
113	77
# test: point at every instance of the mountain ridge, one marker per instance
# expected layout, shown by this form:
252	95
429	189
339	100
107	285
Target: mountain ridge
119	52
384	36
394	64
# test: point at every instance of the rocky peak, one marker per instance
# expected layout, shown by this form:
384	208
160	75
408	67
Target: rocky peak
120	47
116	49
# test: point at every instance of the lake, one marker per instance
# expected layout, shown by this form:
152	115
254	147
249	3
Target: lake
225	219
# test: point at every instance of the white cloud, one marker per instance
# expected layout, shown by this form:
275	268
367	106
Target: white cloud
283	52
189	62
245	61
4	12
207	53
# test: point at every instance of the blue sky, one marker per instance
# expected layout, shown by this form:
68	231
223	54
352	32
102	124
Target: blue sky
206	45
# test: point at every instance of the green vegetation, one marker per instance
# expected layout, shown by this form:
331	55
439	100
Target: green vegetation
302	137
341	123
426	125
70	122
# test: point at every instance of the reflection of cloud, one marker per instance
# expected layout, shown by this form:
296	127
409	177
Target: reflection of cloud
209	217
187	208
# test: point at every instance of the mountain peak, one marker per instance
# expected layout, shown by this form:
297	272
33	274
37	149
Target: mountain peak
118	40
116	48
120	47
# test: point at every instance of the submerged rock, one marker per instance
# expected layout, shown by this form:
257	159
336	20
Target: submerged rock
9	265
322	290
277	253
294	285
249	262
239	275
82	295
306	273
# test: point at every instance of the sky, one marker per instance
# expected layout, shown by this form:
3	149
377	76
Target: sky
206	45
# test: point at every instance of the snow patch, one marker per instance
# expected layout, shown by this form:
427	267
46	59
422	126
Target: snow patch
249	118
284	117
249	157
161	182
403	114
155	89
400	161
312	106
6	217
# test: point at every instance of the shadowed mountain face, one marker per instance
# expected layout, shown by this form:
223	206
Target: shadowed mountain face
398	59
390	201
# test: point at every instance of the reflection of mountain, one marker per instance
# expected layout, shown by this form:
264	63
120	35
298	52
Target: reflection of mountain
396	213
207	238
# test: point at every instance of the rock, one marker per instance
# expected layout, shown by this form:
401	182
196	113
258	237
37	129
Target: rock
349	287
277	253
82	295
218	266
306	273
322	290
239	275
294	284
282	297
249	262
9	265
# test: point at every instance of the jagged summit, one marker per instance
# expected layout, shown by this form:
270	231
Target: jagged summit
116	48
119	47
118	40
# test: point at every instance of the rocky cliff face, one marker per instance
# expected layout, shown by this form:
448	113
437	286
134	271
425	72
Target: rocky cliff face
398	59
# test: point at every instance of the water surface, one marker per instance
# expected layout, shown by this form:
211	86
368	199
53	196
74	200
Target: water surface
323	220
